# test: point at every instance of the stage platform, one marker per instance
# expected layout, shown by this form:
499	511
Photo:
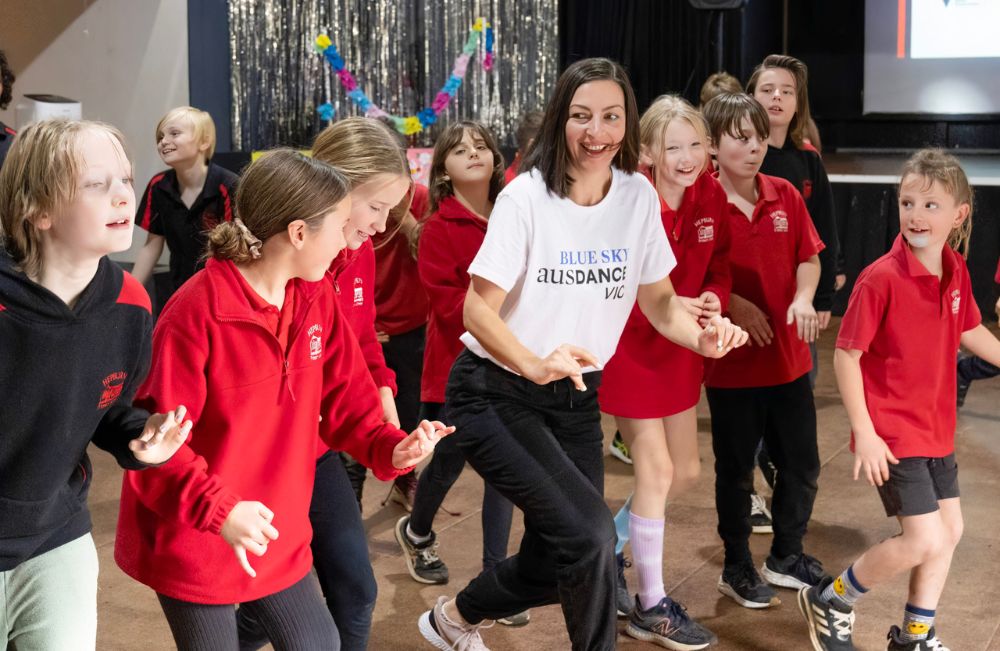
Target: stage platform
875	167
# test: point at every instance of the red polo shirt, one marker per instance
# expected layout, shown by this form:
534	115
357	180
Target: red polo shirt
764	255
400	301
907	322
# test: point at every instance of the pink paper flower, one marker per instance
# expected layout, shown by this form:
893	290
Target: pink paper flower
347	80
461	63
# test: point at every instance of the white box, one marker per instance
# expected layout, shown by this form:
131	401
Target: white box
33	108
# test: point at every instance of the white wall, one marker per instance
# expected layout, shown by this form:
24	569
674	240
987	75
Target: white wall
125	60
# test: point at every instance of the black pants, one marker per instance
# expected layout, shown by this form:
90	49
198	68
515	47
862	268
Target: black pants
294	619
437	479
542	448
785	417
404	354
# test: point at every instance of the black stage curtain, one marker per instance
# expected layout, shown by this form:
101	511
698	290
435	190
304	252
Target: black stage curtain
668	46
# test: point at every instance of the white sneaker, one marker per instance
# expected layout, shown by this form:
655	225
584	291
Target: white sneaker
760	516
447	635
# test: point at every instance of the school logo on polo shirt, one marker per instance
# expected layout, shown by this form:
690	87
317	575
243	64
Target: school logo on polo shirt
956	301
780	220
706	230
113	385
359	295
315	341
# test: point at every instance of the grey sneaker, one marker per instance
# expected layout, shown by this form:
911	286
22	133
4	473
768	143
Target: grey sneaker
760	516
448	635
421	558
518	619
830	623
668	624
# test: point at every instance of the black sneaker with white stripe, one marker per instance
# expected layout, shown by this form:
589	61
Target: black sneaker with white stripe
830	624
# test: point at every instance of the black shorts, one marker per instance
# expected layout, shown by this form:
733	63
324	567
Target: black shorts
916	484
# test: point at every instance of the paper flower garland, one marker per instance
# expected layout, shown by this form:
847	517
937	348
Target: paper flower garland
410	124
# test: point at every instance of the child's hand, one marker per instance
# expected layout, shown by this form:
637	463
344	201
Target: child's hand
694	306
565	361
839	281
803	314
719	337
823	318
750	317
418	445
163	435
872	458
711	306
248	527
996	308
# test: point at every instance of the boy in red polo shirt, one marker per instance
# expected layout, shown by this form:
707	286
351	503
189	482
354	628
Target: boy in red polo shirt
762	390
908	313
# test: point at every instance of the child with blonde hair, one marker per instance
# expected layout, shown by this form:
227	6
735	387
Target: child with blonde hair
75	335
182	204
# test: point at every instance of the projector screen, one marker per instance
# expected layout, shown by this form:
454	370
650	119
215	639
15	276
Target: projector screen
932	56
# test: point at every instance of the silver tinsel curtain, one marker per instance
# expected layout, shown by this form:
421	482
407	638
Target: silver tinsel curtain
401	53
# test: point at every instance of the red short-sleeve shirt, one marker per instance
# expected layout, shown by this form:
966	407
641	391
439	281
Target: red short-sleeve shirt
764	255
907	322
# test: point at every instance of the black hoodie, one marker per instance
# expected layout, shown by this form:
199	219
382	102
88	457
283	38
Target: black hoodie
67	377
804	169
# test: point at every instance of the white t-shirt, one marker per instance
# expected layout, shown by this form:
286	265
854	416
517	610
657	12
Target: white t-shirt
571	272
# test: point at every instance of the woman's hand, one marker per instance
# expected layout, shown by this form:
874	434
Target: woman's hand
719	337
565	361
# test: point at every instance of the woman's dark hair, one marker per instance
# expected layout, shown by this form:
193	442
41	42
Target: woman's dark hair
7	81
549	153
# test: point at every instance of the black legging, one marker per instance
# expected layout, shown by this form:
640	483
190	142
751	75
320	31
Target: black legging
295	619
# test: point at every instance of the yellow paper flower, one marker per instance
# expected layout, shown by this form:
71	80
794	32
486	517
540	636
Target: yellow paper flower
411	125
323	41
478	25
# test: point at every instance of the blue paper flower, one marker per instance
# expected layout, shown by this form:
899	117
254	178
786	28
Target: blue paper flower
326	111
357	95
489	39
334	58
427	117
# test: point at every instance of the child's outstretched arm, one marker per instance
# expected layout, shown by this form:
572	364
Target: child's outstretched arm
871	455
981	343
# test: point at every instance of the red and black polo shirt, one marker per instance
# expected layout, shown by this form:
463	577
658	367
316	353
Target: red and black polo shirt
162	212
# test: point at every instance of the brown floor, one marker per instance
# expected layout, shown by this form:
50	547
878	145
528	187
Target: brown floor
847	519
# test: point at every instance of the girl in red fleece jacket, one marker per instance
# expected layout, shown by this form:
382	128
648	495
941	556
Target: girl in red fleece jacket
370	158
466	177
261	383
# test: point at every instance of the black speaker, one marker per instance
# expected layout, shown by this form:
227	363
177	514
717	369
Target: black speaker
717	4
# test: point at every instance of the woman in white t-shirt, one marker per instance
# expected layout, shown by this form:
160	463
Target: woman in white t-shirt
569	249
